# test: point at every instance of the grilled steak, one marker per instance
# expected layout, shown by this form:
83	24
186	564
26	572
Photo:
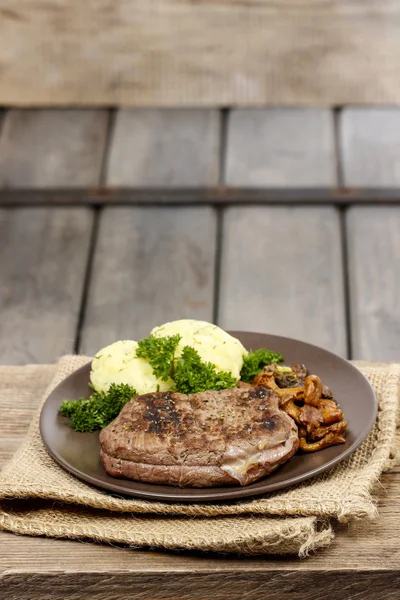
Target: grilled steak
230	437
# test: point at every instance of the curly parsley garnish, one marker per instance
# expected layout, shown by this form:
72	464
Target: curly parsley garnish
255	361
188	372
192	375
159	351
97	411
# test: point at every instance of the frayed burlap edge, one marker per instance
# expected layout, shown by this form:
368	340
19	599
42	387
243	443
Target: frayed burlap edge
298	535
246	535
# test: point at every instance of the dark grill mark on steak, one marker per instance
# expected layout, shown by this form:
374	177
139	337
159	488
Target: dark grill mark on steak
257	393
269	424
160	411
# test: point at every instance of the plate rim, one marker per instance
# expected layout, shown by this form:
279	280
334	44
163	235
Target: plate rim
228	493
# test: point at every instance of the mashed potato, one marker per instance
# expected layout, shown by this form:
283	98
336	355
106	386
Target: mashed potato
118	363
211	342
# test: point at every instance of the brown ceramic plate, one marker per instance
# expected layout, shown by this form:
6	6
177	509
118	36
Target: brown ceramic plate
78	453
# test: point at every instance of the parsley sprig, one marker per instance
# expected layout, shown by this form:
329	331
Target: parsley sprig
97	411
192	375
189	373
159	351
255	361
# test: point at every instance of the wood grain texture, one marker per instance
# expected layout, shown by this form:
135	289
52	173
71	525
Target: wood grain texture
52	148
165	148
374	248
22	409
151	265
43	260
185	52
273	585
282	273
281	148
369	145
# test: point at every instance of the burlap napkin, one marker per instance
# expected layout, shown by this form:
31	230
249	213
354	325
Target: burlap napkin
294	521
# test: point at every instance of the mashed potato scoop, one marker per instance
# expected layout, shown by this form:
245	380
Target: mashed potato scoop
118	363
213	344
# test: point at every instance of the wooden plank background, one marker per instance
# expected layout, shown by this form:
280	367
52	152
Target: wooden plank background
333	270
160	148
151	265
44	252
287	147
203	53
47	148
271	268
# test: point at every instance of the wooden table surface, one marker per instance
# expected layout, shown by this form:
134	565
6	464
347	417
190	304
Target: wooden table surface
76	275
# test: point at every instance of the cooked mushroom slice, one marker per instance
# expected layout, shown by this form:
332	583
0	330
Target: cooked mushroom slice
301	373
312	390
266	379
330	411
320	420
285	395
292	410
326	392
321	432
329	440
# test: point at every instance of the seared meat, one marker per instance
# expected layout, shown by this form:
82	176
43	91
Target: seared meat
234	436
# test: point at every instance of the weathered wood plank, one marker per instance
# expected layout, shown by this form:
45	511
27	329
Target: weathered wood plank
44	253
151	265
281	148
374	249
22	409
187	53
282	273
52	148
369	143
165	148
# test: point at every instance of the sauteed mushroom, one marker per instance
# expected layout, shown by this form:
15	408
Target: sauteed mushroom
321	422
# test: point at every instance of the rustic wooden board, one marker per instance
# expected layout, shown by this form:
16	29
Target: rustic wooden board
374	249
13	430
369	145
280	147
151	265
52	148
281	273
44	253
187	53
165	148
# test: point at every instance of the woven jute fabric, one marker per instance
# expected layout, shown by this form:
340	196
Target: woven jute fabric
39	498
